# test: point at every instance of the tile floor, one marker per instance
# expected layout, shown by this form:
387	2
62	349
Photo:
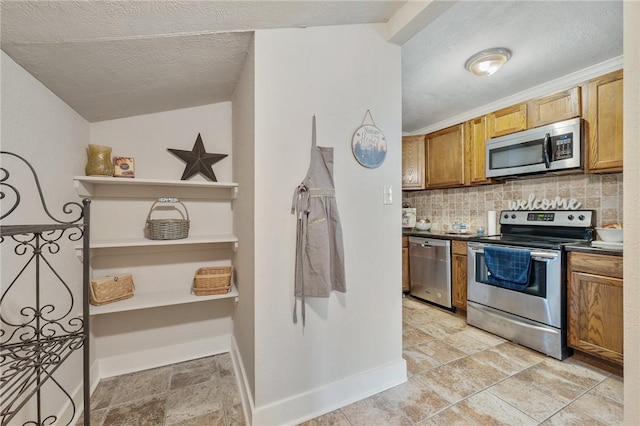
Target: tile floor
458	375
194	393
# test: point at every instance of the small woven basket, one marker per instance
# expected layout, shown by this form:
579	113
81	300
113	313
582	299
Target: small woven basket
111	289
212	280
167	229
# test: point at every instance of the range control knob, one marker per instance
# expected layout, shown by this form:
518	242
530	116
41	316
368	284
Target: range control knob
513	216
581	217
570	217
506	216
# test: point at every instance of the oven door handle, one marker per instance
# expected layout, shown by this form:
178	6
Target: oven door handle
540	255
537	255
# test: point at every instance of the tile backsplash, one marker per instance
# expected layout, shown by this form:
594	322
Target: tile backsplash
443	207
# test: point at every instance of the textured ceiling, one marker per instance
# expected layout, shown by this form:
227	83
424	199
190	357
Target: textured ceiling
113	59
548	39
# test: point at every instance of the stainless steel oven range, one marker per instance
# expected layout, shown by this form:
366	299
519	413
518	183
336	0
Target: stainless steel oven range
529	308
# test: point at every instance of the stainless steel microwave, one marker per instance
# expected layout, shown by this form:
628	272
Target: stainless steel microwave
551	148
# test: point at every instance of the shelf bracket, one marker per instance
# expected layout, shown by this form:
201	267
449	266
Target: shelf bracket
234	192
234	246
84	189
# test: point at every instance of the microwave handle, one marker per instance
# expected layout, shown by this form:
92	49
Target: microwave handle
546	150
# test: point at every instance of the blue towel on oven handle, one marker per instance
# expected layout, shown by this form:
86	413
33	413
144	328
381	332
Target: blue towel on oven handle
508	268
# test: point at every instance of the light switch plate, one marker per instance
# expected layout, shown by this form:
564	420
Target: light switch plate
387	195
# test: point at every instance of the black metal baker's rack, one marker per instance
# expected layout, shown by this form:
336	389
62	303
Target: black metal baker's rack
37	336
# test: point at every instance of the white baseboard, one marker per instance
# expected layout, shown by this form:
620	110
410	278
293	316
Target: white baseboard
319	401
243	383
78	396
159	357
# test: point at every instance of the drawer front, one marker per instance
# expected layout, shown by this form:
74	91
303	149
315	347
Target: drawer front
459	247
598	264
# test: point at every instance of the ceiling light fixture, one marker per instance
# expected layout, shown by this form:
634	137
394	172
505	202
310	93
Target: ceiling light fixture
488	61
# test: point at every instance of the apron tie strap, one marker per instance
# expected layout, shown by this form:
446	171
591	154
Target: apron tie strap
300	206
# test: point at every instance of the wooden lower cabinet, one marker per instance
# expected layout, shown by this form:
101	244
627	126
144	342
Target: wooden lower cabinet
459	274
406	282
594	306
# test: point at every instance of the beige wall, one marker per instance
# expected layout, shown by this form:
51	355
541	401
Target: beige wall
38	126
602	193
244	218
632	212
303	372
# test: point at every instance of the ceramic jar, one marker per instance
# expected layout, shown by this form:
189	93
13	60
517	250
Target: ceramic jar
99	161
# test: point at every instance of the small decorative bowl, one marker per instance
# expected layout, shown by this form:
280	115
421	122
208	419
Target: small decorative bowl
423	226
611	235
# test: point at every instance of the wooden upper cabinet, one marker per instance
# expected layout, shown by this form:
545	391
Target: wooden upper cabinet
603	130
476	131
507	120
444	152
413	162
556	107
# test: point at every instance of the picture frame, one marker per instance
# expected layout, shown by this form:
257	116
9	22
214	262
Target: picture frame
123	167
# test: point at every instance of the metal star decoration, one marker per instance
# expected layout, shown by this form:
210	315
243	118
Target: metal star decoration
198	161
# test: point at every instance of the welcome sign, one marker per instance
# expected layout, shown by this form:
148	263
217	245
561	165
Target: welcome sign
557	203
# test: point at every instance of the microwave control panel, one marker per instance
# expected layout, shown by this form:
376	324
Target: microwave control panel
562	146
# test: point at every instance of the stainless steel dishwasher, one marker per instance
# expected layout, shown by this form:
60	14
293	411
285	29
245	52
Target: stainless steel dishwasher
430	269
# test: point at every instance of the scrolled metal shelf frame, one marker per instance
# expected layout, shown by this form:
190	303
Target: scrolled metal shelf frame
36	336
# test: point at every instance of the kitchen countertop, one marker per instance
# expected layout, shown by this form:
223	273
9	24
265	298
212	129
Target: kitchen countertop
441	235
587	248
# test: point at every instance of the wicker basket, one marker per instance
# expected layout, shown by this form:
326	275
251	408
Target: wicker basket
167	229
212	280
111	289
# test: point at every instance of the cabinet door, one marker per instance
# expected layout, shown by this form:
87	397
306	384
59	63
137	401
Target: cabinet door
476	131
507	120
595	315
413	162
459	281
556	107
444	151
604	123
406	283
459	274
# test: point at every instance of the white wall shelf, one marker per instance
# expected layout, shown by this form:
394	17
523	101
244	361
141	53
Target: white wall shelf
146	244
118	193
156	299
111	187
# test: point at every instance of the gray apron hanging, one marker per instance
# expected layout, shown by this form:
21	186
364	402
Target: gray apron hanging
319	250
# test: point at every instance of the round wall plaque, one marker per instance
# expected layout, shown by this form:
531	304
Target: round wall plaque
369	146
